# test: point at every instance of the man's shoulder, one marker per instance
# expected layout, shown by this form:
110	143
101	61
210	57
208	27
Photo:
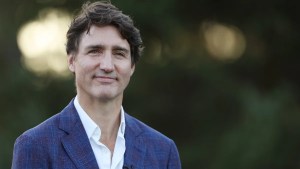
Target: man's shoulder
50	125
144	130
44	128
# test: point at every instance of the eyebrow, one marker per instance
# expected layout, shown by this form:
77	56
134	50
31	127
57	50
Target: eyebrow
114	48
94	47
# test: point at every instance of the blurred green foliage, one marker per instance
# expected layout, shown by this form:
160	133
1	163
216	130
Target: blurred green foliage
222	114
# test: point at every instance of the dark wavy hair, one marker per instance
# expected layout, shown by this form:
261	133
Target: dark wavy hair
101	14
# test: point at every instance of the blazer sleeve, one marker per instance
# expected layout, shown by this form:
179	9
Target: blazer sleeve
28	154
174	159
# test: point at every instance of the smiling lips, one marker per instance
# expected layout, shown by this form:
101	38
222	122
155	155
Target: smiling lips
105	79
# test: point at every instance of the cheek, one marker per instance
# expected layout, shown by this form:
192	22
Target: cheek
127	74
84	66
127	70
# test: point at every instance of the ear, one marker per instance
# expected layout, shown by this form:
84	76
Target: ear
132	69
71	62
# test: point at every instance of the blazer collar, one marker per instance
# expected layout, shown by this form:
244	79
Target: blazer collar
135	147
75	141
78	147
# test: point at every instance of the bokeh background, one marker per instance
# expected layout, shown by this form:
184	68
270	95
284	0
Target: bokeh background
220	77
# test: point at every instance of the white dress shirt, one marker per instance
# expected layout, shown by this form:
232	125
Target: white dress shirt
103	155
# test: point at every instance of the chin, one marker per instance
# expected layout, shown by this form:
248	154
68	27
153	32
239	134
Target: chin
105	96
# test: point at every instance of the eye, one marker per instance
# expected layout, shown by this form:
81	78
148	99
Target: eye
94	52
120	54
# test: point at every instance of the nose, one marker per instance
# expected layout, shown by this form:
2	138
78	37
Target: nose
106	63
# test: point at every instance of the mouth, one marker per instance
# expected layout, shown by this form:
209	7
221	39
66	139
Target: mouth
105	79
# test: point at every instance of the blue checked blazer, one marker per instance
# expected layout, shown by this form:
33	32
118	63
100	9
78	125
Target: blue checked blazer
62	143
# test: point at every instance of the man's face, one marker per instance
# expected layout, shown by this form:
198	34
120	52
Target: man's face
102	65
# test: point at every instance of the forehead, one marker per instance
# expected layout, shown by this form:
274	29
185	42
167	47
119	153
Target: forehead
107	36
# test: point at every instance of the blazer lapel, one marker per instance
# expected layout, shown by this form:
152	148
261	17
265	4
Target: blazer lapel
135	149
76	142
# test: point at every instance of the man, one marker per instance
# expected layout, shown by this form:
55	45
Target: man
93	131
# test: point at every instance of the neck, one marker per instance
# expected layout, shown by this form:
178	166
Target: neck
106	114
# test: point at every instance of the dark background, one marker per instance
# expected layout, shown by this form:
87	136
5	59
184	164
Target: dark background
242	113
